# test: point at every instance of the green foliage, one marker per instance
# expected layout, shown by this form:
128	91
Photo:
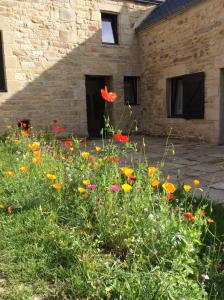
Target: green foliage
67	243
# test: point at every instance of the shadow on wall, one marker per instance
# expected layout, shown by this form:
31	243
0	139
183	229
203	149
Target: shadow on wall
59	92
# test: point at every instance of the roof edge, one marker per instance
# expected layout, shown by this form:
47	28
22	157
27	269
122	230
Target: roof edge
143	26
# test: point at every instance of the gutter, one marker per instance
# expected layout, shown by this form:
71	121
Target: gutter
156	2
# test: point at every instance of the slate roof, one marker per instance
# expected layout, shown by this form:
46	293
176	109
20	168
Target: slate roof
164	10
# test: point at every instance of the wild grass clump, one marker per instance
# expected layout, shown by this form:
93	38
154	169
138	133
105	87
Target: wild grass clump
78	224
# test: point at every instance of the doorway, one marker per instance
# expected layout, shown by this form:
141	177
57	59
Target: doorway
221	109
95	105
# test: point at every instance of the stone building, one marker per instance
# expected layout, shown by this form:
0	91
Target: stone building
182	49
163	58
55	55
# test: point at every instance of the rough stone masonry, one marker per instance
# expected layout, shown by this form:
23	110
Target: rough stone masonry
49	48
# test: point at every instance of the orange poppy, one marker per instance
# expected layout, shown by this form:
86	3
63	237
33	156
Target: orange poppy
108	96
155	183
57	186
10	208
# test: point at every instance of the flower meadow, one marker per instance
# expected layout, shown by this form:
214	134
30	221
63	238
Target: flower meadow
78	223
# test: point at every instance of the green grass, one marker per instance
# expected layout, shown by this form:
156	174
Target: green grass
63	244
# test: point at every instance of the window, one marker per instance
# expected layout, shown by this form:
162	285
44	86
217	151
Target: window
2	71
109	28
187	95
131	85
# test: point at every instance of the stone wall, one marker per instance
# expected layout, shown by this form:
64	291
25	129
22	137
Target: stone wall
189	42
50	45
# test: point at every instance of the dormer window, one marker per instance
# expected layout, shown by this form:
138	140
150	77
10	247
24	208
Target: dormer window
109	28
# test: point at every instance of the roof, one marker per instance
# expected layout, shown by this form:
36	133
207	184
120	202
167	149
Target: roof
165	10
150	1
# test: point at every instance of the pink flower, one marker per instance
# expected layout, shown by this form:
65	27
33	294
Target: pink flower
91	186
114	188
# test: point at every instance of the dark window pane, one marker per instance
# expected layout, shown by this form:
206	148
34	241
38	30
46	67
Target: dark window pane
193	91
131	90
2	71
187	96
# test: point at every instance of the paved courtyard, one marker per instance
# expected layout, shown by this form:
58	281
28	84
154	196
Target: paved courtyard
186	161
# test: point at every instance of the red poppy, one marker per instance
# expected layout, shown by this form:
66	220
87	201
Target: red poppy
121	138
131	179
109	97
85	142
90	159
68	143
56	158
169	196
189	216
113	159
55	121
63	155
57	129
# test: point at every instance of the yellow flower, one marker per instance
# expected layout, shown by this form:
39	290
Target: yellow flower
1	206
57	186
37	153
126	171
168	177
169	187
23	169
85	154
155	183
196	182
34	145
98	149
187	187
210	220
17	142
72	149
51	177
152	171
100	160
126	187
36	160
83	166
81	190
86	182
9	173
